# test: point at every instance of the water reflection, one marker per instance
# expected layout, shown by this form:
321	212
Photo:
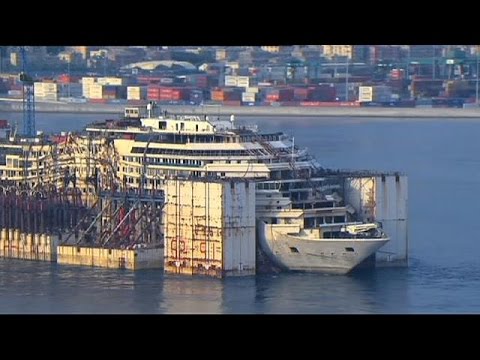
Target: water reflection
185	295
325	294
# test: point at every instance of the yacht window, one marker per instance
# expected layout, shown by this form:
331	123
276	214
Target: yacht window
294	250
349	249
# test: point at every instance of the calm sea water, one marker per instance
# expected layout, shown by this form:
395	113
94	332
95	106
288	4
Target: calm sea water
442	161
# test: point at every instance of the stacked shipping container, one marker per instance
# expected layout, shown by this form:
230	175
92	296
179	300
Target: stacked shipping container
159	93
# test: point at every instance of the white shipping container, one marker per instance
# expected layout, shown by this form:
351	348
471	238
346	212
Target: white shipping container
243	81
95	87
136	92
95	91
251	90
45	93
233	65
45	86
88	86
230	80
88	80
365	93
248	97
110	81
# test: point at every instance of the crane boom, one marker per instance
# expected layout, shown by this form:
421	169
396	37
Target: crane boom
28	98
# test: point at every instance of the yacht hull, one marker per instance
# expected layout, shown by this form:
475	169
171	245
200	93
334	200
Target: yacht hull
333	256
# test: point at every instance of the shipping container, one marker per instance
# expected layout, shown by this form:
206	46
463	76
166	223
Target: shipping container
225	95
166	80
275	94
111	81
230	80
88	80
322	93
147	80
67	79
374	93
248	97
243	81
426	88
397	74
300	94
136	92
197	80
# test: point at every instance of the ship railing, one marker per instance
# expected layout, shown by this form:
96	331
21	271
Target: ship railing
357	173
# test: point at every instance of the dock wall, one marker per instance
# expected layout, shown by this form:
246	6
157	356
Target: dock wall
135	259
221	110
17	245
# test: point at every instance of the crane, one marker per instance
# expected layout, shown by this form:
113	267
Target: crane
28	98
